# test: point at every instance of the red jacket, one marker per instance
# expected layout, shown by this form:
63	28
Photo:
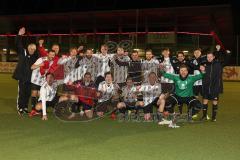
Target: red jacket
56	69
86	94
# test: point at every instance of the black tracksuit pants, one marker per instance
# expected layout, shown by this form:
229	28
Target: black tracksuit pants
24	93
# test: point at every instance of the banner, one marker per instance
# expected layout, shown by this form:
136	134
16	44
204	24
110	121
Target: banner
231	73
7	67
161	38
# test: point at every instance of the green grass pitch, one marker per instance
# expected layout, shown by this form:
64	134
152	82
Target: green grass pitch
33	139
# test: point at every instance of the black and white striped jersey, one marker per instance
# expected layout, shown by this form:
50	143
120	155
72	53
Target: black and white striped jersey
150	92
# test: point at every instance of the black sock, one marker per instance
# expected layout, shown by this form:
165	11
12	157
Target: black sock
196	108
205	108
122	110
194	111
180	107
171	109
159	116
214	111
34	102
75	108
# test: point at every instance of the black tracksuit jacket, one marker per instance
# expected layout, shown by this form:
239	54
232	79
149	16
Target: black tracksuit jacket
23	70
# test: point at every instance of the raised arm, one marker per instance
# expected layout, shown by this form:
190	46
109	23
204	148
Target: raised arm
20	49
41	48
169	76
121	63
63	59
227	58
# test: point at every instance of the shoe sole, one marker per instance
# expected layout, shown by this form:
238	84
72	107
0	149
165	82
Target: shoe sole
165	123
173	126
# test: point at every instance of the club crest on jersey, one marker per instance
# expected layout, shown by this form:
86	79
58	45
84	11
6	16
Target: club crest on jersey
182	84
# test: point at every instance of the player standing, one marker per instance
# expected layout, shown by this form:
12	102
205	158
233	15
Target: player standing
23	72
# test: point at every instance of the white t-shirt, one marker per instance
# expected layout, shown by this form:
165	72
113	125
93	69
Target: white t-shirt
47	93
107	91
37	78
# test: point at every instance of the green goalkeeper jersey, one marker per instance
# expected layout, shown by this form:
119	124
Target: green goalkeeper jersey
183	88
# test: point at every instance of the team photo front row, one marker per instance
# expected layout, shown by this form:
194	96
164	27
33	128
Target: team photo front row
109	97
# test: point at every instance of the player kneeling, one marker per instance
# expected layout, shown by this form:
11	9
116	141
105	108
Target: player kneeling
152	96
129	98
184	90
84	93
108	95
48	95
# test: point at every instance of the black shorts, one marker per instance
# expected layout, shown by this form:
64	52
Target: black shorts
35	87
149	108
106	106
51	103
168	87
211	97
197	90
192	103
86	106
131	106
181	100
